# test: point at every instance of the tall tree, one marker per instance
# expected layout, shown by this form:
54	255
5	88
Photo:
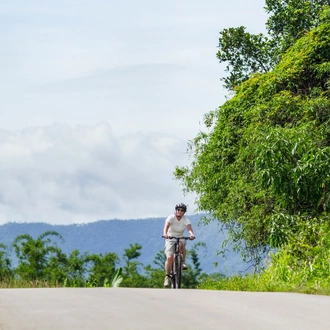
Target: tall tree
265	161
131	274
246	54
290	19
5	263
34	254
76	269
55	272
156	274
103	268
190	278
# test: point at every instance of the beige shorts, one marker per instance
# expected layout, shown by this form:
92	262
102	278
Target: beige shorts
169	246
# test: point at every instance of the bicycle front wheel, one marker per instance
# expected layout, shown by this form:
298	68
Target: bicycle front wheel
173	274
178	271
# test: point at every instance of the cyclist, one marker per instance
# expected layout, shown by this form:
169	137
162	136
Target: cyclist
175	225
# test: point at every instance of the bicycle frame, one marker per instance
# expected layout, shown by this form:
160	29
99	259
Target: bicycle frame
176	271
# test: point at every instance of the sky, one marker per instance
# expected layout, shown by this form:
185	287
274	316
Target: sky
99	99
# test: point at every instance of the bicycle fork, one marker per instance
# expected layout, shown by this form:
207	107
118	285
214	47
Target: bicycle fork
176	271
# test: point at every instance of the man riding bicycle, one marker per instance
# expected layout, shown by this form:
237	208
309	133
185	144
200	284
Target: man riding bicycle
175	225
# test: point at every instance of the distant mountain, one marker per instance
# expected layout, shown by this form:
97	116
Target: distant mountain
116	235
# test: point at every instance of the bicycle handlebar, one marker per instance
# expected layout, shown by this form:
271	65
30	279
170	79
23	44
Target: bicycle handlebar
186	238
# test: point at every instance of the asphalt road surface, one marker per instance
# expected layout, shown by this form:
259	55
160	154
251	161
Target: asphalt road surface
124	308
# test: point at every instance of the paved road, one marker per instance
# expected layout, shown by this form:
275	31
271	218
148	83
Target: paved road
124	308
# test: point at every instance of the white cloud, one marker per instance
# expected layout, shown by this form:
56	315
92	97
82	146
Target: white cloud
141	66
55	43
59	174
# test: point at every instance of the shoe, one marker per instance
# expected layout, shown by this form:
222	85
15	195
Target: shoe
184	266
167	281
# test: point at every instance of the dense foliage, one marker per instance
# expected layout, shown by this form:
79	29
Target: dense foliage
263	167
301	265
245	53
41	262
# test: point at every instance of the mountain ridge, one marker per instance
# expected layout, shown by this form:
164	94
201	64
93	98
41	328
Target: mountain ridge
116	235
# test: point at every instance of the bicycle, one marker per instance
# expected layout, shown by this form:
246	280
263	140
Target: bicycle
176	270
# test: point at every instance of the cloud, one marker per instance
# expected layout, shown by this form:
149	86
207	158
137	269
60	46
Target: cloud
141	67
142	79
60	175
84	62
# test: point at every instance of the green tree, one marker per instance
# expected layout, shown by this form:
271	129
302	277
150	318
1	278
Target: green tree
265	160
290	19
131	274
103	268
76	269
160	260
190	277
246	54
5	263
155	275
34	254
56	269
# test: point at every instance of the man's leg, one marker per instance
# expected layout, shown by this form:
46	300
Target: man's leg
168	264
169	252
184	253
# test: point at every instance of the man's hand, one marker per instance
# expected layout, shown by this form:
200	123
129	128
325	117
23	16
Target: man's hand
192	237
165	236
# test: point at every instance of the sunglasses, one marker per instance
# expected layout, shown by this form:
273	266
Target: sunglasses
181	210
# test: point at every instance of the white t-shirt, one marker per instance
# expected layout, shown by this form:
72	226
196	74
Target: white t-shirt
177	227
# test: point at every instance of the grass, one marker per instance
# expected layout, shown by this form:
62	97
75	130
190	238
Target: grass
252	283
12	283
258	283
301	265
285	273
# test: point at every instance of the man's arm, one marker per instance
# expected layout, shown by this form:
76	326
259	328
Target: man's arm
166	228
190	231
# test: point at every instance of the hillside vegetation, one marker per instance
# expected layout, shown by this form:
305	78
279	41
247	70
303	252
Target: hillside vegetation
116	235
263	168
33	254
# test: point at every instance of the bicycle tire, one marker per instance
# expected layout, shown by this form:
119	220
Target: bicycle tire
178	271
173	283
173	275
